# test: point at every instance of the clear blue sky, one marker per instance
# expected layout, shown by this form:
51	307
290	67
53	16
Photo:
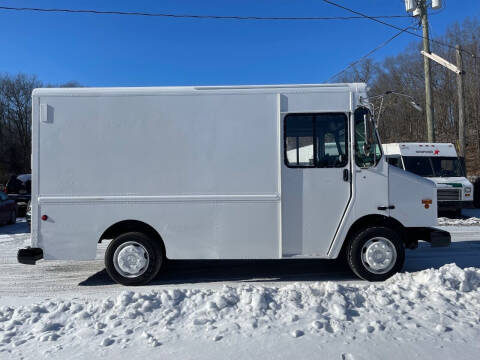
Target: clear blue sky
137	51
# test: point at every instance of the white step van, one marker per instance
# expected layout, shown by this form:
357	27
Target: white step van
437	162
241	172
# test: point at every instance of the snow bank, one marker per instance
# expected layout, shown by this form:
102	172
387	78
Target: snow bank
467	221
410	306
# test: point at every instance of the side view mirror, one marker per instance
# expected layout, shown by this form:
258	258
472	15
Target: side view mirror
366	149
369	133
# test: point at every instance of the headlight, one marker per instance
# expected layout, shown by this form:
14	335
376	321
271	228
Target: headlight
467	189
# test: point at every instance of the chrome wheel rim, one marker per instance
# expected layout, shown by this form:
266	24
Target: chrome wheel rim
379	255
131	259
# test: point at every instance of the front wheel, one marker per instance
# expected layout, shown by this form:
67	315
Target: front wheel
134	258
376	253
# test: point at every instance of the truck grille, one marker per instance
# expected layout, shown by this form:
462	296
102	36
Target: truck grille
449	194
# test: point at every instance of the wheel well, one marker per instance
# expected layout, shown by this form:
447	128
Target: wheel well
375	220
125	226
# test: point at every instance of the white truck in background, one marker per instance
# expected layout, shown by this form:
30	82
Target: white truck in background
228	172
437	162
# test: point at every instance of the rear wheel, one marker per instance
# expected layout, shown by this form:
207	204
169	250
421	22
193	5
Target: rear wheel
134	258
376	253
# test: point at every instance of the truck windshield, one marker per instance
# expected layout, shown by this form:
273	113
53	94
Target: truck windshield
433	167
447	167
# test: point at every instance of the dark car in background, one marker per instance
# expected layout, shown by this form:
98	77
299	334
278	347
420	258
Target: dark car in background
8	210
19	188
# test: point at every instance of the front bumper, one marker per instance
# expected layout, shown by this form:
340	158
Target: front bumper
436	237
455	205
29	255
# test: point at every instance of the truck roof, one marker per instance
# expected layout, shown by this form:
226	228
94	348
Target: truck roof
112	91
420	149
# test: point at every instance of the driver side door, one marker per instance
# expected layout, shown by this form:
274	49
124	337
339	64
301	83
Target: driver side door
316	185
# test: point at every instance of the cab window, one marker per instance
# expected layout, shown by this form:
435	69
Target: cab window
316	140
299	140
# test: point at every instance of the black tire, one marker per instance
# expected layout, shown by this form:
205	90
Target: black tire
355	247
154	252
13	218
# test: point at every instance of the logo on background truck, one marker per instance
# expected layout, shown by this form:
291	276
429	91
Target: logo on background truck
436	152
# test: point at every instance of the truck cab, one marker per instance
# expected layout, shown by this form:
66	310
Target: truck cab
439	163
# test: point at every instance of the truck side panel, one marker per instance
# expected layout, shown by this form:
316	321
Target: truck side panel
159	145
200	229
201	169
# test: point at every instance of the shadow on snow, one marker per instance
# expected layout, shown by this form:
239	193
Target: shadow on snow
464	254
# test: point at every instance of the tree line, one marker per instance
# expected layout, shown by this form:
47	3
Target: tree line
16	122
404	73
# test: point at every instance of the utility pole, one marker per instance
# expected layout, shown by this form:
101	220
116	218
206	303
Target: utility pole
420	8
461	104
422	5
457	69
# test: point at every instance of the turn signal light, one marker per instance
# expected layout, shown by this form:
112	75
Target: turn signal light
44	217
427	203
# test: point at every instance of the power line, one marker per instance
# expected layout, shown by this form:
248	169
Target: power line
358	15
393	26
193	16
385	43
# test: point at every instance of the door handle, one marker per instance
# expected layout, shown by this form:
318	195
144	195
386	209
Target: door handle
346	175
383	208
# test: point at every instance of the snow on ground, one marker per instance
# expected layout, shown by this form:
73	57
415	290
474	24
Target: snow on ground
237	310
437	307
469	217
461	221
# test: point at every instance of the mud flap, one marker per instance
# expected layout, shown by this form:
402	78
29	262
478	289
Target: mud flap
29	255
436	237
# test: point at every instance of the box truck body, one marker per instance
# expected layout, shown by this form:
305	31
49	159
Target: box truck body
245	172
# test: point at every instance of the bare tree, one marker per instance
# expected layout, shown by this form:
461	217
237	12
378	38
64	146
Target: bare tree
16	122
